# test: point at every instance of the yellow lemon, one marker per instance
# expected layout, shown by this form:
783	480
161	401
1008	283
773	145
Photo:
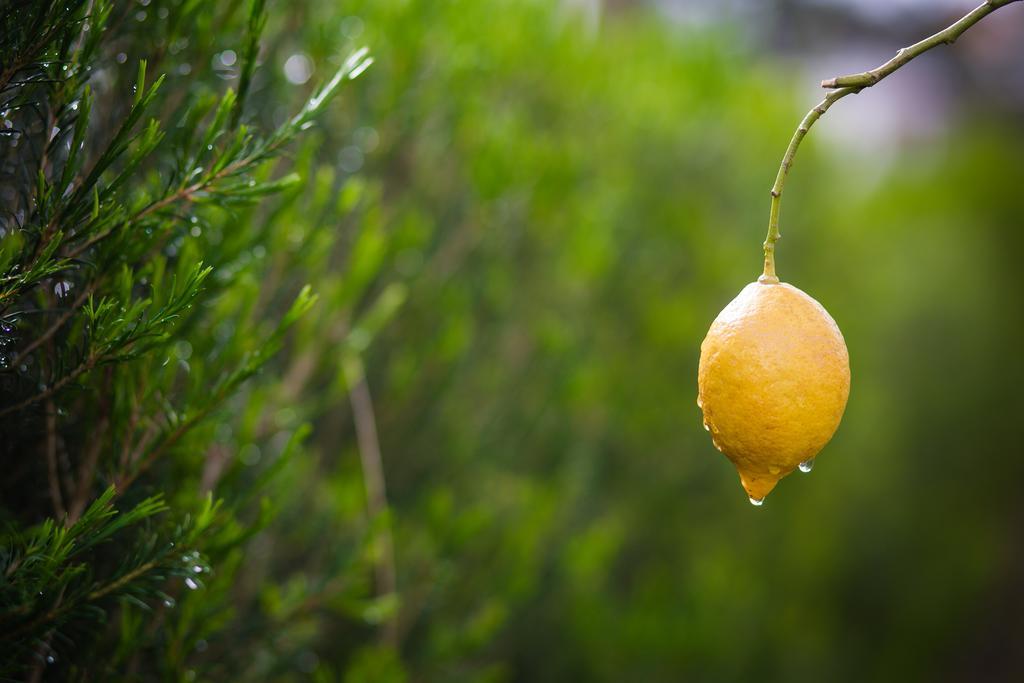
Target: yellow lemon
773	381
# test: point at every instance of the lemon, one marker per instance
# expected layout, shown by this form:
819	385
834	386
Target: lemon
773	382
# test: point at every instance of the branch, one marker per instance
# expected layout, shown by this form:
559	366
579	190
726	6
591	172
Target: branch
122	482
87	468
841	86
187	193
946	36
50	448
100	592
85	366
373	479
52	330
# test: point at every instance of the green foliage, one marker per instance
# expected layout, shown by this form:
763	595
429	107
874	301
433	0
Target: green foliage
50	570
138	295
574	206
507	239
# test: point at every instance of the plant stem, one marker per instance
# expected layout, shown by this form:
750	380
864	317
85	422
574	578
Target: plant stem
50	448
85	366
376	490
852	84
780	179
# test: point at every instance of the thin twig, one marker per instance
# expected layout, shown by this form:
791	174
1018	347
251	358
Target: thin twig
126	479
24	59
50	448
81	33
45	644
129	431
376	492
780	179
127	578
87	468
947	36
52	330
58	609
849	85
53	388
182	193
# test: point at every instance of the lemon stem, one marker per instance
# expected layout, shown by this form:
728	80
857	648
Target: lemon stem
840	87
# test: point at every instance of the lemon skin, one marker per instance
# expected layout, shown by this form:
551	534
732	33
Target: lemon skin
773	382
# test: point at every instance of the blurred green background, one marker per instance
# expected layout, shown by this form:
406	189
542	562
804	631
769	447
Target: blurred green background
554	201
